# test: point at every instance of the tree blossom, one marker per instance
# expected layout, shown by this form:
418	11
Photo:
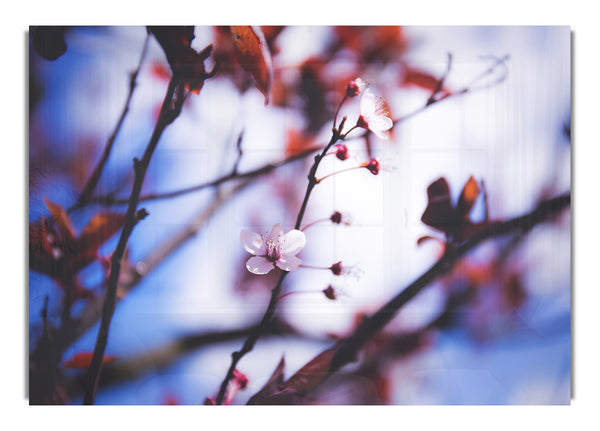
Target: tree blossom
273	250
374	115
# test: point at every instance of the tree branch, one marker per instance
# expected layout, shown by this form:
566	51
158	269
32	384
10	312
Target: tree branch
350	346
109	199
170	110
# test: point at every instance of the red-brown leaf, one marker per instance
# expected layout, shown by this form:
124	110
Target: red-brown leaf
61	219
440	213
82	361
272	386
99	229
312	374
252	53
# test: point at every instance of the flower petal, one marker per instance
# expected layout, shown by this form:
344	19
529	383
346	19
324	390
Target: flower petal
292	242
380	122
276	233
288	263
252	242
259	265
367	103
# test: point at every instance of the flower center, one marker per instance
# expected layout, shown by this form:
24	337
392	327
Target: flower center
273	253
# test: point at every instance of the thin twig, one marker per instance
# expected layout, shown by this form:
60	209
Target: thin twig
469	88
92	182
265	169
440	84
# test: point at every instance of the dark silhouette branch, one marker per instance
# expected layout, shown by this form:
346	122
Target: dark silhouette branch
90	186
349	348
170	110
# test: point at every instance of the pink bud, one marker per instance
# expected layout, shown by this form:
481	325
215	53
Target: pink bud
240	379
362	122
373	166
341	152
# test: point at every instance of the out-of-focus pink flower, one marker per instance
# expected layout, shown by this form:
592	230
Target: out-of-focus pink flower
374	115
273	250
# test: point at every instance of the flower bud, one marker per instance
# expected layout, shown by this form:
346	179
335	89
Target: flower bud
337	268
373	166
329	292
336	217
341	152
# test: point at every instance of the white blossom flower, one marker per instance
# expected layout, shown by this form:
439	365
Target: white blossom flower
374	115
273	250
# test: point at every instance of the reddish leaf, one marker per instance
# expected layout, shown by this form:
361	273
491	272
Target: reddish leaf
272	386
312	374
439	212
185	62
424	80
61	219
467	199
99	229
297	142
82	361
252	53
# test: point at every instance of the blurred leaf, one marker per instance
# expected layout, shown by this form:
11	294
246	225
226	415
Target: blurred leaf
312	374
439	212
99	229
61	219
454	221
82	361
185	62
467	198
272	386
422	79
252	53
58	252
49	41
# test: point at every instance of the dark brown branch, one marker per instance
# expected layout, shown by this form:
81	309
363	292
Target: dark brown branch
270	311
170	110
90	186
349	348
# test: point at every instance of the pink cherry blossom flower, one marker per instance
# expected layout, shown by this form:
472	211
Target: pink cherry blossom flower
373	115
274	250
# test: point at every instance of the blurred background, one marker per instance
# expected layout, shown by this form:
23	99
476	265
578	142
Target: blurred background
506	341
